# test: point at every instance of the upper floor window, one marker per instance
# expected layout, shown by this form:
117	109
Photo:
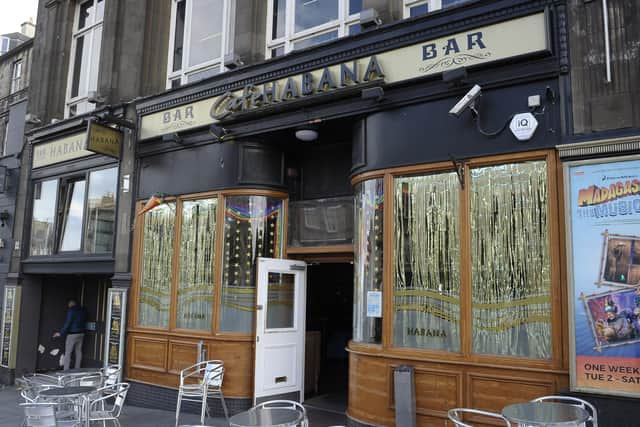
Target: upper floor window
5	44
16	76
200	38
298	24
85	56
413	8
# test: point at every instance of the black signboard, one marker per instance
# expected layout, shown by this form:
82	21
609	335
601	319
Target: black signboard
117	306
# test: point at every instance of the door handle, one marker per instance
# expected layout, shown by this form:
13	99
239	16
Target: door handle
259	307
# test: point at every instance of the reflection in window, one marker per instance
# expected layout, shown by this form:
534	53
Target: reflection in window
87	39
72	216
197	245
201	35
101	211
414	8
511	275
367	260
157	259
427	267
253	227
45	195
313	22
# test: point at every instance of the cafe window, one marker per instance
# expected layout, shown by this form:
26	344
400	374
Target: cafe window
183	234
201	35
85	56
253	227
74	214
298	24
413	8
508	264
368	257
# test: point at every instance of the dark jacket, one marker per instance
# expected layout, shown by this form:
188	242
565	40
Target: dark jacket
76	318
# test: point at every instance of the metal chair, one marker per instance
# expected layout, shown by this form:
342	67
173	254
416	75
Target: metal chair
593	413
289	404
43	415
38	379
457	414
118	392
111	374
199	382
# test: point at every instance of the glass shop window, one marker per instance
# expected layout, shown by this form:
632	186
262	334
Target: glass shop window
45	194
413	8
509	266
427	268
253	227
85	56
75	214
298	24
368	257
201	35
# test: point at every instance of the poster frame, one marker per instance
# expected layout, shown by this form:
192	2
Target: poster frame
571	301
15	321
123	320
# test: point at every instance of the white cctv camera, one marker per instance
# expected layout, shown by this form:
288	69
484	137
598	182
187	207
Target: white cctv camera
466	101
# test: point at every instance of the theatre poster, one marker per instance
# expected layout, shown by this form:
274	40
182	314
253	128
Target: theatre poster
602	200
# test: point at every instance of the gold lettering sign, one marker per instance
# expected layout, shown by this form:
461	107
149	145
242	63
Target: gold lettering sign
481	45
60	150
103	140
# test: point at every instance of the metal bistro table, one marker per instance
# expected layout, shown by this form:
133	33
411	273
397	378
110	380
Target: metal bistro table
79	372
267	417
72	393
545	414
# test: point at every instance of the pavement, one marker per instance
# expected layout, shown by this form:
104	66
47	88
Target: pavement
132	416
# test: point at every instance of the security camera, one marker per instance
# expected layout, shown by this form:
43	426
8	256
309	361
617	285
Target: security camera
466	101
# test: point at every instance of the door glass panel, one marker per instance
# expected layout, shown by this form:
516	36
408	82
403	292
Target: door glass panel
72	216
280	300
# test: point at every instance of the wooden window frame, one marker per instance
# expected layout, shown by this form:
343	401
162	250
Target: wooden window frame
556	256
172	330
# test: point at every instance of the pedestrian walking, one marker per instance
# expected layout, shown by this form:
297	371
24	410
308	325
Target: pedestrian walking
74	330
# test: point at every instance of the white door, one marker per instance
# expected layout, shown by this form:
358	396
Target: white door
280	329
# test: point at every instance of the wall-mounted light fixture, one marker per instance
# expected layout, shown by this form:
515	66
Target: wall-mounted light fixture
32	119
172	137
219	132
376	93
307	133
4	217
369	18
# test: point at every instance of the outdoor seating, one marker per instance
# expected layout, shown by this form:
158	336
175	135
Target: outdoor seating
37	378
199	382
110	374
44	415
456	415
593	413
93	380
287	404
99	409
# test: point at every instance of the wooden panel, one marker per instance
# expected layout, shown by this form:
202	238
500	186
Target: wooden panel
181	355
148	353
369	399
152	377
493	391
440	386
437	391
238	366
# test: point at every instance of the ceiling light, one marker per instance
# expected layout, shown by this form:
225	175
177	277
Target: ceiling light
307	134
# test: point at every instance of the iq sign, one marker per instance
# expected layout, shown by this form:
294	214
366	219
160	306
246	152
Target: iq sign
523	126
